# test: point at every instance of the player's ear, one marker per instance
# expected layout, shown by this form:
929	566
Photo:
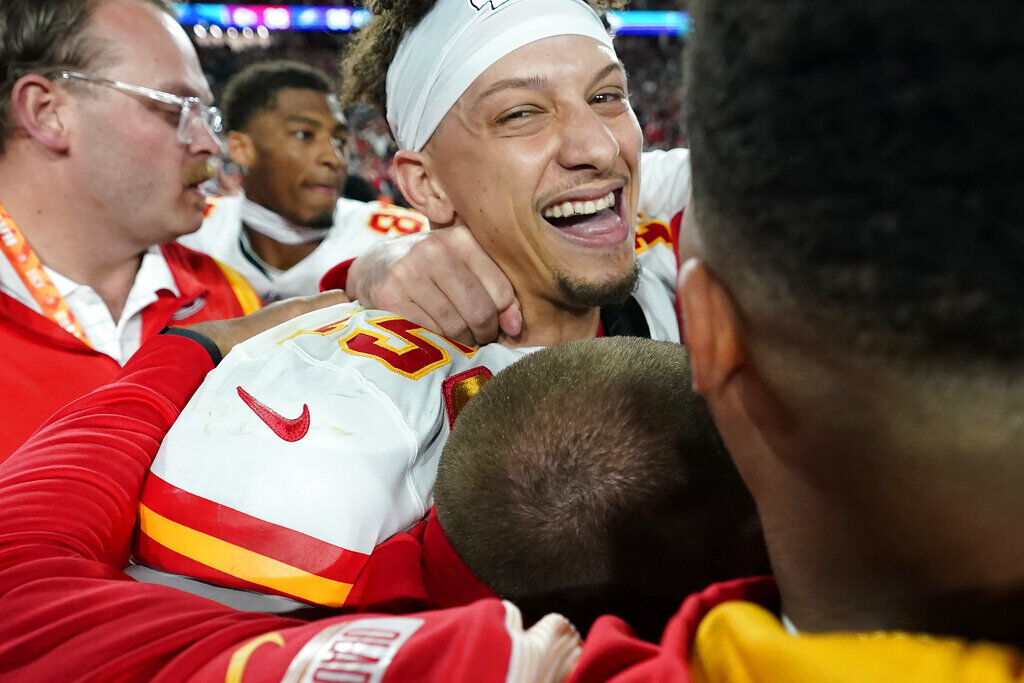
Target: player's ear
713	333
43	111
242	149
420	186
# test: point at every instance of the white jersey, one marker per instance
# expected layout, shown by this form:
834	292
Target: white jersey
316	440
357	227
664	181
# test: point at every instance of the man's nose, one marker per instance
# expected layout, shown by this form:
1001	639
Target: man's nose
204	140
587	141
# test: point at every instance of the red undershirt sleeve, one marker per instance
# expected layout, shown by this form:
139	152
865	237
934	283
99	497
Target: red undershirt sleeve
69	499
72	488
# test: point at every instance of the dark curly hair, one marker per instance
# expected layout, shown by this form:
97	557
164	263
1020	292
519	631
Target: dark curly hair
855	166
364	65
255	88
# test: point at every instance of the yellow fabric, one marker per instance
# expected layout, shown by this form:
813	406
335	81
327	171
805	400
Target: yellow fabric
247	297
740	642
465	390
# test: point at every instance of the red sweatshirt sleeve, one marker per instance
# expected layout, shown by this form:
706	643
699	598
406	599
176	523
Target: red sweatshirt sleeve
69	497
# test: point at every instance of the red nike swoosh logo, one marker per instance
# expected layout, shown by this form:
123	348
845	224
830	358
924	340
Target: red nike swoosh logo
289	429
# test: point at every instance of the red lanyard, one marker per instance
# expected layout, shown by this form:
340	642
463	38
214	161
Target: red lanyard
28	267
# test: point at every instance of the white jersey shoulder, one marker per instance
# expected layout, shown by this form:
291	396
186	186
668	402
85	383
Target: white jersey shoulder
357	226
363	467
332	424
664	182
664	191
656	292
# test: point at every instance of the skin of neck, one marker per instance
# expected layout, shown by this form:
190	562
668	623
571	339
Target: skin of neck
886	504
278	255
546	322
71	233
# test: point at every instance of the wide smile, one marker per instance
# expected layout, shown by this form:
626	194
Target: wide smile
589	218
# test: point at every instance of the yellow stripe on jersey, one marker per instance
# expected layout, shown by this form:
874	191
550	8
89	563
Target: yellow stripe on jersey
247	297
241	563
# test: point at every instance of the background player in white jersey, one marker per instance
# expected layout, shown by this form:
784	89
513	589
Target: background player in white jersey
287	133
319	439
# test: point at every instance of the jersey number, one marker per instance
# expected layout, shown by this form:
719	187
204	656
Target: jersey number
413	360
403	225
652	231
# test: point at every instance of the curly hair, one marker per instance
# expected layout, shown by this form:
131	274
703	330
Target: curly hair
364	64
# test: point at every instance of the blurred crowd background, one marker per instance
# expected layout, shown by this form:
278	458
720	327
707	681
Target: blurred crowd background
654	64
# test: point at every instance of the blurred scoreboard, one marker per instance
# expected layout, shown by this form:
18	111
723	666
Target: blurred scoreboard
332	18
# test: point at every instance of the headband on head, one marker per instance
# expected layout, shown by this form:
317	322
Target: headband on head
457	41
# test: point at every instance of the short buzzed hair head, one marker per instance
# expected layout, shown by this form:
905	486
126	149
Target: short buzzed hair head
42	36
856	167
588	478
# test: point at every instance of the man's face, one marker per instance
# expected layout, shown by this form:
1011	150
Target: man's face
132	166
540	159
298	160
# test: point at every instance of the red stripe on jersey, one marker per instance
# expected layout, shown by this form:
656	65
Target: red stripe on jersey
675	228
461	387
260	536
165	559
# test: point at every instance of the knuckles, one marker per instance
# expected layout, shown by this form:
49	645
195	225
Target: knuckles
482	319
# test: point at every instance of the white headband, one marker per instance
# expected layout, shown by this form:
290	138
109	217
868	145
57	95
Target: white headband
457	41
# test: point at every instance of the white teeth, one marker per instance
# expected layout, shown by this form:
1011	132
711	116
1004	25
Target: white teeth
568	209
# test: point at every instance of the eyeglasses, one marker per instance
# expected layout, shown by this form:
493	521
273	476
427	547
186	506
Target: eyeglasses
192	109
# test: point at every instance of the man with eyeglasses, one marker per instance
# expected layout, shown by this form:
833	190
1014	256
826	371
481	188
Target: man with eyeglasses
194	113
106	134
288	134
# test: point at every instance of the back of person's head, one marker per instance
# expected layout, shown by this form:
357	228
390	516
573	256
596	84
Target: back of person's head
857	199
42	36
588	478
856	178
255	88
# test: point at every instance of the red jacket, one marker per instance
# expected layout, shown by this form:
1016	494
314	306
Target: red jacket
45	367
413	571
69	612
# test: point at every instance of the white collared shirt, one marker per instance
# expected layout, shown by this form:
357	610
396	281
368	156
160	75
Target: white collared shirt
117	339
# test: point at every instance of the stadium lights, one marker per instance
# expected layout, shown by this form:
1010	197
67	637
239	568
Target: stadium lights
262	18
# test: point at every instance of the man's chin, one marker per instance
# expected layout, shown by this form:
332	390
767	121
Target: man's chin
322	222
593	294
